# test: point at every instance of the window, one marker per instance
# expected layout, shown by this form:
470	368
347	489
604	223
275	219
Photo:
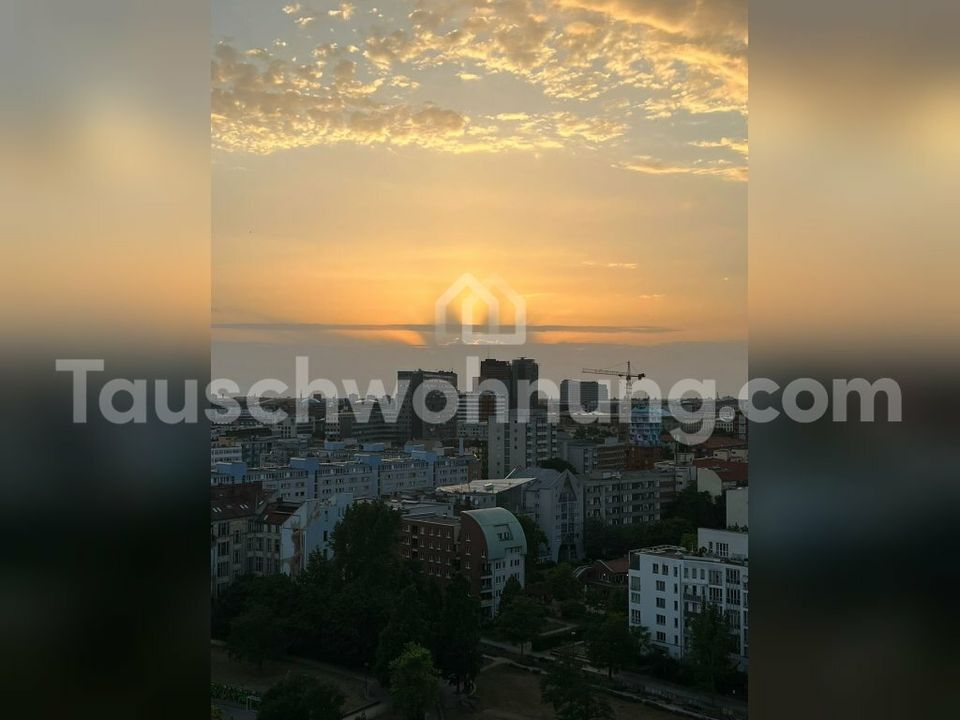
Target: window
661	636
661	619
661	603
661	586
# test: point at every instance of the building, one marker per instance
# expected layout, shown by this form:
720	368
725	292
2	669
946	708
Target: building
524	375
309	529
669	585
628	497
716	476
738	513
506	493
554	499
411	425
254	533
605	573
520	443
331	478
579	396
588	455
226	450
646	424
232	507
486	545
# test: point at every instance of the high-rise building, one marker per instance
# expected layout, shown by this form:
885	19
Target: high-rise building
439	400
524	374
520	442
582	396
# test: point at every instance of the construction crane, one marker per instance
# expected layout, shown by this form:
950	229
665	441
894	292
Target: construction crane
629	374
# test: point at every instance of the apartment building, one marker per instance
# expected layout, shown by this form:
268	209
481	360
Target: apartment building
669	585
253	533
587	455
627	497
486	545
232	507
332	478
520	443
554	499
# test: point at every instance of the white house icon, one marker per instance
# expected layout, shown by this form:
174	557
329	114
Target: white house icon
481	292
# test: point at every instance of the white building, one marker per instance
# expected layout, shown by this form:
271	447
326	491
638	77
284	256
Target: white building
331	478
669	585
225	452
310	529
554	500
520	443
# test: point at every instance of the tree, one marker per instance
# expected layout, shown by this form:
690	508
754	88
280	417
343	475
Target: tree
407	624
365	541
611	644
522	621
564	585
697	508
536	538
413	681
711	643
458	633
572	697
257	635
301	697
511	591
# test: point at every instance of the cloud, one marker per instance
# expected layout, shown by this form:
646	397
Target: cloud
612	265
344	12
292	9
718	168
737	146
262	103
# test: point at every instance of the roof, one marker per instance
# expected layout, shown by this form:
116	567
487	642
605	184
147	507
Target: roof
618	566
501	530
485	486
729	470
228	502
715	442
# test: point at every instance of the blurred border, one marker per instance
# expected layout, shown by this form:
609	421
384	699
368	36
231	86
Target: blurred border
854	108
104	219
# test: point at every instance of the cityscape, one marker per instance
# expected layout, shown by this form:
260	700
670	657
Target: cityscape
470	260
579	544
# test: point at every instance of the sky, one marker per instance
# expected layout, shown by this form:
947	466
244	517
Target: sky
591	153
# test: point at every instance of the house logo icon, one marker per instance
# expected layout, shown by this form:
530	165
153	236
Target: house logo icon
483	293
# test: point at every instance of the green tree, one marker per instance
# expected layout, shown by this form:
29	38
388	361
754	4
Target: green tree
711	644
256	635
697	508
407	624
511	591
458	633
522	621
536	539
365	543
564	585
301	697
611	644
413	681
565	687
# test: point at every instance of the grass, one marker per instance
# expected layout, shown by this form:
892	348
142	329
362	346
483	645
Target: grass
508	693
230	672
